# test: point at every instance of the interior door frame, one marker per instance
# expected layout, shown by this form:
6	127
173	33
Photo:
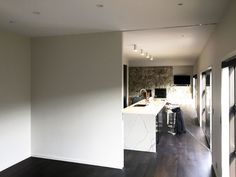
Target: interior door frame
203	111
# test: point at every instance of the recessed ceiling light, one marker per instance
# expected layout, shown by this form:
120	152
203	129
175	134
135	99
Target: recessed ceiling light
12	21
36	12
99	5
180	4
200	24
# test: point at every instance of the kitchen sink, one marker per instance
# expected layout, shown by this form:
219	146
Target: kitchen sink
140	105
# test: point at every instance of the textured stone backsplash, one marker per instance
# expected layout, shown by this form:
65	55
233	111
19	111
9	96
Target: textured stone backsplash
149	78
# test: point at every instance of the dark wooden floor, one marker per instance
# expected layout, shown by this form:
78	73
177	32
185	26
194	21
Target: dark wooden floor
192	124
177	156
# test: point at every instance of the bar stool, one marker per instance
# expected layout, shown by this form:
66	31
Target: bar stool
171	121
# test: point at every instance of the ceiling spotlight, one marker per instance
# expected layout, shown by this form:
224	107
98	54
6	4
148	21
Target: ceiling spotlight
151	58
99	5
200	24
142	53
12	21
36	12
147	55
135	48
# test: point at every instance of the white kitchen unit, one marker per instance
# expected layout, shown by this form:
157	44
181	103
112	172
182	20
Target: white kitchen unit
140	125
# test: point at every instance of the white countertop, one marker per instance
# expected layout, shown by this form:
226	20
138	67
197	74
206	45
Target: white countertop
153	107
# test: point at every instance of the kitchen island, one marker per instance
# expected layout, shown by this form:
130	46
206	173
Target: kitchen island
140	125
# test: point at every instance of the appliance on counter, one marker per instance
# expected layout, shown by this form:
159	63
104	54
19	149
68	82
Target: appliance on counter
160	93
181	80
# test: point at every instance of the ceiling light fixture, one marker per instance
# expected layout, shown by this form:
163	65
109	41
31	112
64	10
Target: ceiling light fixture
12	21
36	12
135	48
99	5
142	53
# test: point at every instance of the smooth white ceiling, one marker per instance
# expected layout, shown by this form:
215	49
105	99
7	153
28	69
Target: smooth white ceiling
178	45
82	16
143	18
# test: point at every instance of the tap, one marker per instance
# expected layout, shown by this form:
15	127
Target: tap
143	91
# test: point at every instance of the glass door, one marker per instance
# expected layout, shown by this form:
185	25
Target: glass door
232	110
228	112
203	102
207	105
195	91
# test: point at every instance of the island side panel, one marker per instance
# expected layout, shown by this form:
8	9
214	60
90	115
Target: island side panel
140	132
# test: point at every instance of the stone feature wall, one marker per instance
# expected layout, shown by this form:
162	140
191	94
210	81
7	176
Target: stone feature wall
149	78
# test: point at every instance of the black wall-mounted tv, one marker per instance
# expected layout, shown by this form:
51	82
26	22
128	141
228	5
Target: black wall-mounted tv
182	80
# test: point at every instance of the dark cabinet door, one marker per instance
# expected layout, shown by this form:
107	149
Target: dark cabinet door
125	90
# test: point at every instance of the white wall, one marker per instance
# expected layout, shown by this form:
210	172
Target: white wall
77	98
14	99
183	70
181	94
221	44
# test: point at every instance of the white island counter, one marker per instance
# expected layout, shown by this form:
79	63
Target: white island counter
140	125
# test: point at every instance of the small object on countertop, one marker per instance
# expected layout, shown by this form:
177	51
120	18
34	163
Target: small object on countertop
136	99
